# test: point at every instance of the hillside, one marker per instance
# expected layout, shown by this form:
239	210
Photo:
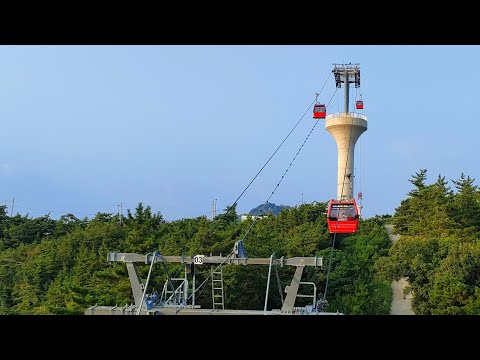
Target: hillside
59	266
268	208
438	252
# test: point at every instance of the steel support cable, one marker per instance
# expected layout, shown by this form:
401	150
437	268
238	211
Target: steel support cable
278	148
258	173
246	188
261	169
273	192
290	165
255	219
332	97
270	158
293	160
275	189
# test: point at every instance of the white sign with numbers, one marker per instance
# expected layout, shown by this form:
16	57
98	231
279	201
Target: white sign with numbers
198	259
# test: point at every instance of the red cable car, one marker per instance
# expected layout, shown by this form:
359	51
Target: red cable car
359	104
342	217
319	111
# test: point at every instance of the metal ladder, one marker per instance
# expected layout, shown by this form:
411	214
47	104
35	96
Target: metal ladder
217	289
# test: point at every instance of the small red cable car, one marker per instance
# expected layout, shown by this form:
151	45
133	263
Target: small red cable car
359	104
342	217
319	111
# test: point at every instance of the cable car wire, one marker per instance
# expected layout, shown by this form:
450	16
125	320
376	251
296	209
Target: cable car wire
291	163
278	148
270	158
258	173
199	289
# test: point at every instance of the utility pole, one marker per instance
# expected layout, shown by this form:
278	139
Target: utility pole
120	212
214	208
302	198
13	204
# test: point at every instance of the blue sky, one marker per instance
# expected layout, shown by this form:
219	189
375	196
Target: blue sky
87	127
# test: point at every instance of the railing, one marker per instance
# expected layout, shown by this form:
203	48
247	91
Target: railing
347	114
179	294
314	296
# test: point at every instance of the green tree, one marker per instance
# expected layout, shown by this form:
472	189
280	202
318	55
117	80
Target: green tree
230	216
66	224
27	230
456	282
466	203
427	210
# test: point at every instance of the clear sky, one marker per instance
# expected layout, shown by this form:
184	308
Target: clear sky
85	128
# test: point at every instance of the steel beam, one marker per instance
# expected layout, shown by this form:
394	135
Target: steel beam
147	259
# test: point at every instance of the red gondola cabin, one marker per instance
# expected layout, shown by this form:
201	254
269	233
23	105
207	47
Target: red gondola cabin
342	217
319	111
359	104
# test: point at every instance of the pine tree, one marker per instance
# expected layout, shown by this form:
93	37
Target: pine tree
466	205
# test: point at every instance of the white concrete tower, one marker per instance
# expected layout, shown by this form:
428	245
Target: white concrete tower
346	127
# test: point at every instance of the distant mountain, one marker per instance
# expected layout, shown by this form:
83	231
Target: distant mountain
268	208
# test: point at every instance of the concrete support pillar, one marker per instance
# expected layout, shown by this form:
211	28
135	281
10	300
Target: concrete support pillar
345	128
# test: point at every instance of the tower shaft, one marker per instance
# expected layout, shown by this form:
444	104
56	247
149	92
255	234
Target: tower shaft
346	128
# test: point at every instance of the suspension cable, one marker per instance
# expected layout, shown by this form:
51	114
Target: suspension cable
258	173
200	287
270	158
278	148
290	165
261	169
325	83
294	158
210	232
